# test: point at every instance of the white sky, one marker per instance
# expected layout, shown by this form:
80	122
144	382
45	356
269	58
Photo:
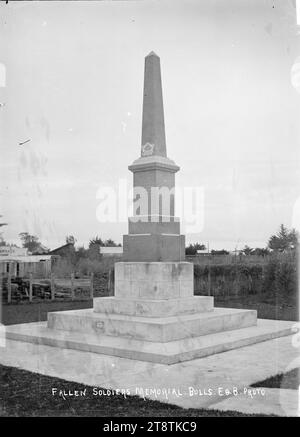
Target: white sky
74	84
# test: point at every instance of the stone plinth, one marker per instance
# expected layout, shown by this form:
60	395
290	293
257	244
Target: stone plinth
154	234
162	247
153	307
153	329
154	280
153	302
155	225
154	317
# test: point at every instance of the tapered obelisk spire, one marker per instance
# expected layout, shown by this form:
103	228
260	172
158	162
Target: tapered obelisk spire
153	230
153	127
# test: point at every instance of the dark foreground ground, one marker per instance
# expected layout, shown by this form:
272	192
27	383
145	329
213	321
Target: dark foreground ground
29	394
37	311
289	380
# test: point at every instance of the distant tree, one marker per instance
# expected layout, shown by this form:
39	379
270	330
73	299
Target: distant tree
285	239
31	242
247	250
110	243
220	252
70	239
261	251
96	240
192	248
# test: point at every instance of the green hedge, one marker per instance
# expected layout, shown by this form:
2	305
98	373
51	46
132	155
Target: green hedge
240	279
243	279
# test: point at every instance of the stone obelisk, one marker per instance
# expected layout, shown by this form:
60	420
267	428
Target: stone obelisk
153	125
154	231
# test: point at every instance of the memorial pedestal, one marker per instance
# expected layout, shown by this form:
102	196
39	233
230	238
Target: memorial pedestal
153	316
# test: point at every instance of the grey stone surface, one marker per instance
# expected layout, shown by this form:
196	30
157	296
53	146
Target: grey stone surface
153	125
153	247
149	241
170	226
152	329
154	280
171	352
154	307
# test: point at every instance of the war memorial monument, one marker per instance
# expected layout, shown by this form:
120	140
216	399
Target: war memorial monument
153	315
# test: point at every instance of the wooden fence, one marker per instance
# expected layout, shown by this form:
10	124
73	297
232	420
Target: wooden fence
51	288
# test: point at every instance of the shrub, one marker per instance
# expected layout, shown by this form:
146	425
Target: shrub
285	277
86	266
275	275
62	268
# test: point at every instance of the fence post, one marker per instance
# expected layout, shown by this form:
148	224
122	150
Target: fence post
52	285
92	286
209	277
72	286
109	282
9	284
30	287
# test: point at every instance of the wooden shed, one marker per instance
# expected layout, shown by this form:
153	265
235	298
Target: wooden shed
22	266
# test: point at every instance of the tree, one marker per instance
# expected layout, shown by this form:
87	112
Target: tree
70	239
107	243
192	248
261	251
110	243
31	242
285	239
247	250
96	240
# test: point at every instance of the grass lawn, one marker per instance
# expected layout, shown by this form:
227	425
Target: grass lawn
268	305
289	380
37	311
27	394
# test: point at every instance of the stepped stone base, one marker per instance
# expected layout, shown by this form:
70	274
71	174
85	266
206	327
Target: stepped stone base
163	329
154	307
156	352
153	317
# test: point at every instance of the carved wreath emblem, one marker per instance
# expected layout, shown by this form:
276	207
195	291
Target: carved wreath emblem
147	149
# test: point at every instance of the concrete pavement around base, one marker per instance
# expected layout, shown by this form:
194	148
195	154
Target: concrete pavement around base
200	383
276	401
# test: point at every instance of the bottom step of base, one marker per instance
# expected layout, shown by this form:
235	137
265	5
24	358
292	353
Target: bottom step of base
164	353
